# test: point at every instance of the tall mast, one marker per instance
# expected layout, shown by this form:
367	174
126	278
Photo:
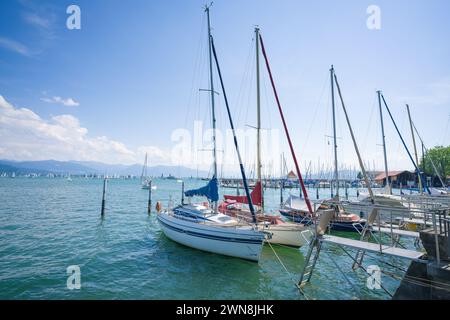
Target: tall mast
415	148
336	174
404	144
388	186
291	147
211	88
244	178
355	145
258	120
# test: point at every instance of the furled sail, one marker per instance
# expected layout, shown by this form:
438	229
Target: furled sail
211	191
256	196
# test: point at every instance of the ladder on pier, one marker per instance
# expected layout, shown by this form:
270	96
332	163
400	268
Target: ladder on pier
314	247
310	262
366	233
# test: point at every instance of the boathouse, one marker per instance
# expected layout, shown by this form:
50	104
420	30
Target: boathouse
396	178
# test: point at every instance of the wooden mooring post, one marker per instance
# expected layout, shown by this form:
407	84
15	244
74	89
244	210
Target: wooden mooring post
149	205
103	197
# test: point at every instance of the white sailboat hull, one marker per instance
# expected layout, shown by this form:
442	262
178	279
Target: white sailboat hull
288	234
238	242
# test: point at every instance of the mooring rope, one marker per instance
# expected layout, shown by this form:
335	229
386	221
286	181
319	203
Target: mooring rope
287	271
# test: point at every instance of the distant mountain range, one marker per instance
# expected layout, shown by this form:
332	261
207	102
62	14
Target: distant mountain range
90	167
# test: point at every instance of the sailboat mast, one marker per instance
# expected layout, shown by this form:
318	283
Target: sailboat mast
388	186
211	89
336	174
404	144
291	147
415	147
258	120
244	178
355	145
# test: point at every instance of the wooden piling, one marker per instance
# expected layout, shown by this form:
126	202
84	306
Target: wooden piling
103	197
281	192
149	206
182	192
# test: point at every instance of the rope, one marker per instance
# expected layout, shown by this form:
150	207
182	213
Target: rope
287	271
381	286
419	281
340	270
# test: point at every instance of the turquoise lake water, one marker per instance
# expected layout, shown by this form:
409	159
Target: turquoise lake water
48	224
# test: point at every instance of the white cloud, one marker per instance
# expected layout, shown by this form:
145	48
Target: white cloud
14	46
36	20
69	102
24	135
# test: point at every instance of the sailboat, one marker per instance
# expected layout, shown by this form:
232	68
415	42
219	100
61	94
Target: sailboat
285	233
201	226
145	181
385	197
296	209
69	178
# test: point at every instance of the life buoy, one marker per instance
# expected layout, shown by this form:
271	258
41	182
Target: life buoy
158	206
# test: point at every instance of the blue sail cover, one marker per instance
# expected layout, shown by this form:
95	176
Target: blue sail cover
211	191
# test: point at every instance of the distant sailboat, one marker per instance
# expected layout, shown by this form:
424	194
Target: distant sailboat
69	178
145	181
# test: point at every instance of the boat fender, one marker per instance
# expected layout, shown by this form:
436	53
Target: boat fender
158	206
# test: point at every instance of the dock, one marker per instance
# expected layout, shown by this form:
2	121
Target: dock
397	232
373	247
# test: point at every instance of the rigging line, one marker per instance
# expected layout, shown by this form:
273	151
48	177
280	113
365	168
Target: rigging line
244	179
305	193
328	128
196	68
316	109
243	82
431	160
399	143
404	144
364	144
250	89
266	96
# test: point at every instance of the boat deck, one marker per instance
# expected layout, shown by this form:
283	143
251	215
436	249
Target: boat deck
373	247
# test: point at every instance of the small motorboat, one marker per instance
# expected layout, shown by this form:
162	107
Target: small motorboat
295	209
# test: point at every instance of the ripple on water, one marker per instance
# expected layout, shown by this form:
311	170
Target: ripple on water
48	224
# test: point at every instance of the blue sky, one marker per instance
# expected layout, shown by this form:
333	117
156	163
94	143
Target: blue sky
123	83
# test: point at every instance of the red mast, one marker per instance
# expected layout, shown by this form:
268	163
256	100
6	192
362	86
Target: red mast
300	178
